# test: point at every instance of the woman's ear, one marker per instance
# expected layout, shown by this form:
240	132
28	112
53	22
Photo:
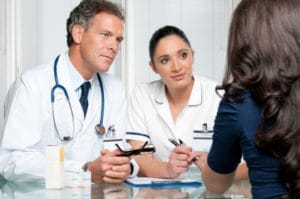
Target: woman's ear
77	32
151	64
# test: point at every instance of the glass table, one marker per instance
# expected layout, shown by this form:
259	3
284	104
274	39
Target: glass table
9	190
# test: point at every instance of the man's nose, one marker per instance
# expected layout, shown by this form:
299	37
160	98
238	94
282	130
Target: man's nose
114	45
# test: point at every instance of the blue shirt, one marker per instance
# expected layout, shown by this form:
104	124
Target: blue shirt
234	136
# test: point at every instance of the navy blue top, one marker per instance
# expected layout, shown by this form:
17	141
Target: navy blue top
234	136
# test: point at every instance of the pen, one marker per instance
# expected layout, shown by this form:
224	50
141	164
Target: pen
180	142
165	181
175	143
110	131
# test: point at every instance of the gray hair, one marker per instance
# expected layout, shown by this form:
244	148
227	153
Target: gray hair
85	12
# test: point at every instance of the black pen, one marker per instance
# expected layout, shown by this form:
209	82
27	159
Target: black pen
181	142
174	142
165	181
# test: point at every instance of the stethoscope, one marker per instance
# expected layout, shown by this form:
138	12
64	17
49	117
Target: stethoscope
100	129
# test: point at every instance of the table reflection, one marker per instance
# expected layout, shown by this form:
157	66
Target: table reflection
107	191
10	190
174	193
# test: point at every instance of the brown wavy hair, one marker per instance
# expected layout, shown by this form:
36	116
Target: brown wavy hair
263	56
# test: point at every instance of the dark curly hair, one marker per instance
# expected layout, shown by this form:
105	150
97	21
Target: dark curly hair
263	56
85	12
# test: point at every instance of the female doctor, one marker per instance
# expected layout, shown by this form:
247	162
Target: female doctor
45	106
173	107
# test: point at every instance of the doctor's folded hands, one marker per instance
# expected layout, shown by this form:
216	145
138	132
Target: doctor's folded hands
110	167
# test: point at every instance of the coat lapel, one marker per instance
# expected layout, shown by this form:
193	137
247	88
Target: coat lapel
162	106
64	80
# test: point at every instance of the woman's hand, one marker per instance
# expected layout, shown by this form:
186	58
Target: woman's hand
198	158
179	160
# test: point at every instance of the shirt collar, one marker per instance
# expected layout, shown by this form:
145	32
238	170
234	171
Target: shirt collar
160	97
76	79
196	94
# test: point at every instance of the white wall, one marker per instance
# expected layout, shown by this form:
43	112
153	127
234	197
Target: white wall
44	29
33	32
2	59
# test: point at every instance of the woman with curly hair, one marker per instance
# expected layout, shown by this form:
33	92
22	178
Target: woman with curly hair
258	117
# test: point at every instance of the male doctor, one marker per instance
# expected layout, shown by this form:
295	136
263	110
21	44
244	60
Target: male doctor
94	34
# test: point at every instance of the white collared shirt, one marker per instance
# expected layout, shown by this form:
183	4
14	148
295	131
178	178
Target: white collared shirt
76	79
150	118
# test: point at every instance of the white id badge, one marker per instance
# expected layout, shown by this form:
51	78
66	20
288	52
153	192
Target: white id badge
110	143
202	140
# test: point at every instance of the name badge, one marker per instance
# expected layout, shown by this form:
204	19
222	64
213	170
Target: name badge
202	140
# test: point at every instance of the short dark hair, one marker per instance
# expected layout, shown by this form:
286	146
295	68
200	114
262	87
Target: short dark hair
85	12
164	32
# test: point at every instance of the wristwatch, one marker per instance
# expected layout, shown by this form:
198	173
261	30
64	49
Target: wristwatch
134	168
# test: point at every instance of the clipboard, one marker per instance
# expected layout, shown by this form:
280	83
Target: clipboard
162	182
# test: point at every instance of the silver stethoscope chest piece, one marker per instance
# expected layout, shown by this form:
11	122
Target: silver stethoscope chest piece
100	129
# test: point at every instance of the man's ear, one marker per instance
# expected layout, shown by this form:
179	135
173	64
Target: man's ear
77	32
151	64
193	55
